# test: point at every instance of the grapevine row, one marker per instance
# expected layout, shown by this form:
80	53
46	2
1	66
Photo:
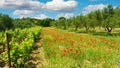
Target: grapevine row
21	44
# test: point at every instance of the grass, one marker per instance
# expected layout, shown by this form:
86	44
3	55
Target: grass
65	49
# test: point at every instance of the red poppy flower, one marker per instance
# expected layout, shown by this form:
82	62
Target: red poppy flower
65	50
49	55
71	50
76	52
76	58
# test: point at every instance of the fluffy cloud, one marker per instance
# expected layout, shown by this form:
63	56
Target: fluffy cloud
21	4
61	5
25	8
23	13
41	16
67	15
54	5
90	8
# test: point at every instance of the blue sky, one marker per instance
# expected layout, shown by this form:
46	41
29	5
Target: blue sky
41	9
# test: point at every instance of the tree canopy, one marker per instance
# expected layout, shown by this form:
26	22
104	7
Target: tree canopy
108	18
5	22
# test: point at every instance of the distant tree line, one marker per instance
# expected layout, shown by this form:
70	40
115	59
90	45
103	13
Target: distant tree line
30	22
108	18
7	22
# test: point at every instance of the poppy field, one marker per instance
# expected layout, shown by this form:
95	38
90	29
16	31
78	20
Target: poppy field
65	49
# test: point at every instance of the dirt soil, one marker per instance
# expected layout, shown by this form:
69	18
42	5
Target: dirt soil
38	59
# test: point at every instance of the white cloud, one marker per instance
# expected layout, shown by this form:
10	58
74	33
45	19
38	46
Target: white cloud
90	8
23	8
61	5
26	8
54	5
23	13
67	15
41	16
21	4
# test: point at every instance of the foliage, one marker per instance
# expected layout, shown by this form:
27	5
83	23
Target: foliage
23	23
31	22
108	18
21	43
46	22
5	22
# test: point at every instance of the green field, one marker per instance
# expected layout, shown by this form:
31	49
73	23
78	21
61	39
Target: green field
65	49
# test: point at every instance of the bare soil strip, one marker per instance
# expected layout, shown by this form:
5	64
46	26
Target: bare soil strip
38	59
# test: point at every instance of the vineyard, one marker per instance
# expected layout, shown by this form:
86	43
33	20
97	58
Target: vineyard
21	43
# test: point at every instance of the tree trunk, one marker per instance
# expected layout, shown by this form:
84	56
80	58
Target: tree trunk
64	27
109	29
3	47
76	28
87	29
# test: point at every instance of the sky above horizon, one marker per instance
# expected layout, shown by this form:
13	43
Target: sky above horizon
41	9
